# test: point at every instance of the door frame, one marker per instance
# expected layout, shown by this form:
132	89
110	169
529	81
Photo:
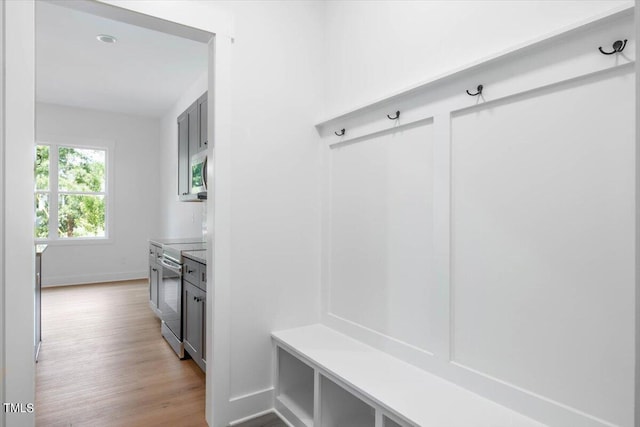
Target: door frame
190	19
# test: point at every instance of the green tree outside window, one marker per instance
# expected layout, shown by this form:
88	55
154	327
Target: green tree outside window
80	195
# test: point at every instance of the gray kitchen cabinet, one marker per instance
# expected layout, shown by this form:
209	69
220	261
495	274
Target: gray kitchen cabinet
155	253
192	271
202	116
194	294
193	322
192	139
183	155
194	129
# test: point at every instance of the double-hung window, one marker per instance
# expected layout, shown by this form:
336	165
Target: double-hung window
71	195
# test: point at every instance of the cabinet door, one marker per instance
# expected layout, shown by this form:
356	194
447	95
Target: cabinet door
204	331
194	130
192	321
183	154
202	116
154	280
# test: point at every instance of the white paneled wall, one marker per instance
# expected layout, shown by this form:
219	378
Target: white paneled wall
382	233
491	239
542	242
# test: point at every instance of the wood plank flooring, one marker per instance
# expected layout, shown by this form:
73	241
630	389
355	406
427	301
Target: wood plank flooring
103	362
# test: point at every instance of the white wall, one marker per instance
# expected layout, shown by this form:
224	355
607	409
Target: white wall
375	48
267	194
134	197
177	219
18	372
511	296
274	188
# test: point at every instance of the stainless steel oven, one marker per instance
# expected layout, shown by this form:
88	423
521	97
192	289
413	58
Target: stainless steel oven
170	300
170	292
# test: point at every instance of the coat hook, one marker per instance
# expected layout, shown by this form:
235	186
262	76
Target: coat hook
396	117
618	46
341	132
479	92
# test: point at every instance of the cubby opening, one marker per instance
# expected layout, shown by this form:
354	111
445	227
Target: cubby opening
295	380
340	408
388	422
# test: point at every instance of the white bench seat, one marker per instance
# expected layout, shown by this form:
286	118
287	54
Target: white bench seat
393	386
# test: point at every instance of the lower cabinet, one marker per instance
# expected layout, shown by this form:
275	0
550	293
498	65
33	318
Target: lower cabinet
193	322
155	270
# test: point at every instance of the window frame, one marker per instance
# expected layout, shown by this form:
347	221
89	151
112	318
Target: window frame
54	143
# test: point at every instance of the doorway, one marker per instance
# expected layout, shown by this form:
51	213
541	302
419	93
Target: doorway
99	11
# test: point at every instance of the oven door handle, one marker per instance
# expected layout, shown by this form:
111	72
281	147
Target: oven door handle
173	267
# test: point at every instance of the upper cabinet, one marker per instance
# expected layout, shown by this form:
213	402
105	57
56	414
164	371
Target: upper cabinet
183	155
202	117
192	139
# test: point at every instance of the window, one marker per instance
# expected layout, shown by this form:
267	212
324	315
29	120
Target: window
71	197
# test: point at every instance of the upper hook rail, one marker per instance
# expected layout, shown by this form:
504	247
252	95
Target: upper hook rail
396	117
479	91
618	46
341	132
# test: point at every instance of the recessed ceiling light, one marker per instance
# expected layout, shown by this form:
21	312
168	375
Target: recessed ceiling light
106	38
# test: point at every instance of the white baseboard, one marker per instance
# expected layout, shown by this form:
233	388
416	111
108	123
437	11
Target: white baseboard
83	279
256	403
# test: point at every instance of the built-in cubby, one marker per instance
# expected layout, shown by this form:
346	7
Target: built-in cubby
340	408
295	387
327	379
388	422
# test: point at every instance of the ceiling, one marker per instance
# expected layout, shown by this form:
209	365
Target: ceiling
145	72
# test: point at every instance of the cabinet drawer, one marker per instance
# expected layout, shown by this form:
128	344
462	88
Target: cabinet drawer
192	272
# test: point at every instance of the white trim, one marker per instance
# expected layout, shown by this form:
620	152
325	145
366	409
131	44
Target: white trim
167	17
275	411
456	72
219	222
637	207
251	417
86	279
18	375
251	395
251	403
2	208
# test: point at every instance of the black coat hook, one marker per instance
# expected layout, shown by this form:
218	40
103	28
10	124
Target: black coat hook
618	46
396	117
479	92
341	132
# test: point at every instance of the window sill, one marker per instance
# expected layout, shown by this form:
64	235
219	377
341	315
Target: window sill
76	241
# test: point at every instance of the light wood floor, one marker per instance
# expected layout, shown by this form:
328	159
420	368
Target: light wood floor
103	362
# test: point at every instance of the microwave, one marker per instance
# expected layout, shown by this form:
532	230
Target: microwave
198	175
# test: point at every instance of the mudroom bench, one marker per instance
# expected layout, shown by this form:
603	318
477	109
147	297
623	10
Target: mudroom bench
327	379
